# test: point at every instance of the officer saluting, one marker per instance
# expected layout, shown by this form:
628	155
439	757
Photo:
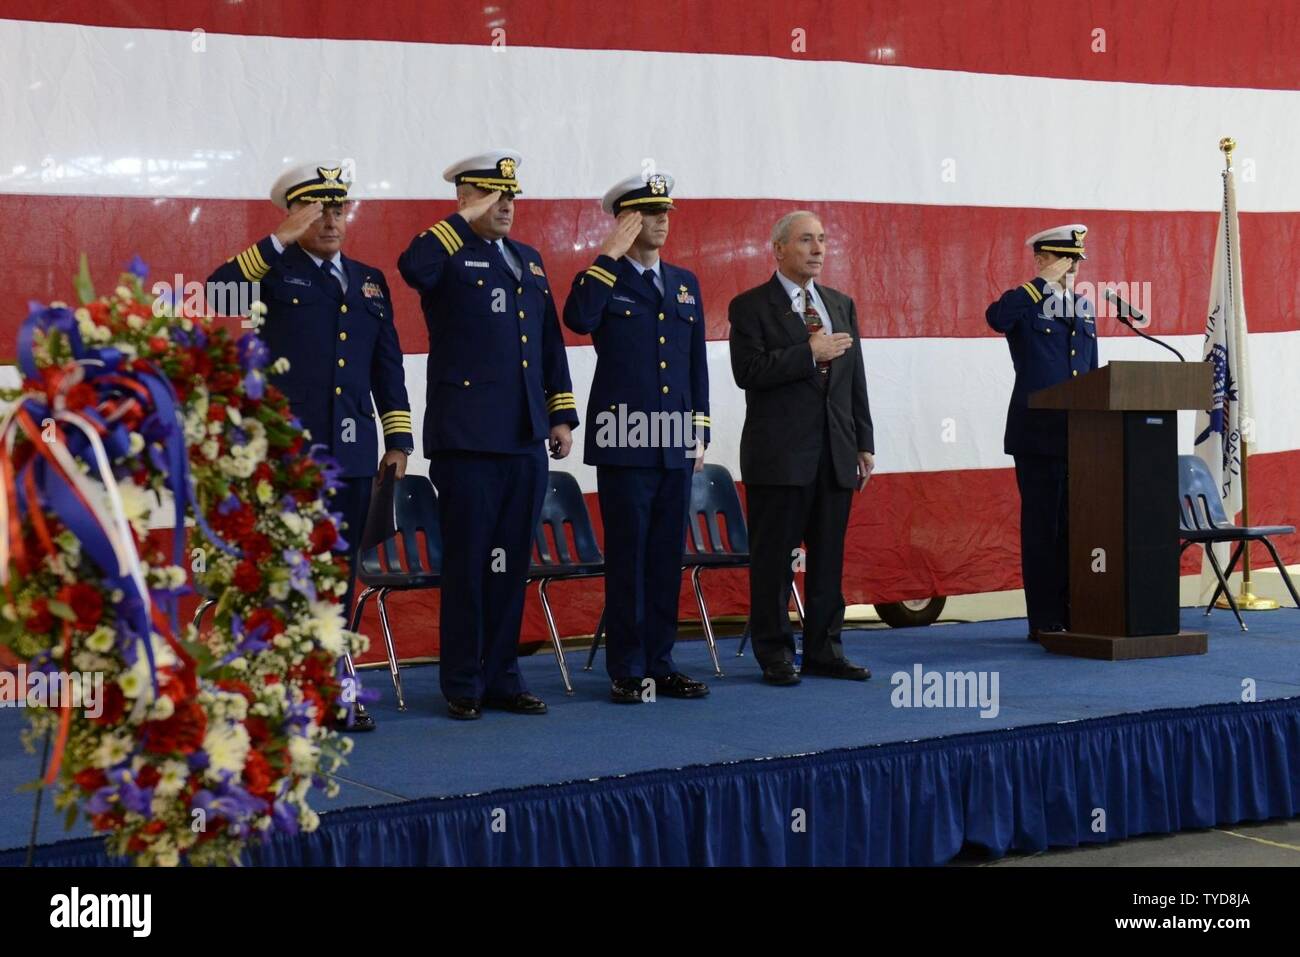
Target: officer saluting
498	389
646	319
332	318
1052	334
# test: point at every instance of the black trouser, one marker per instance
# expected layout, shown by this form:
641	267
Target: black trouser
1044	545
780	517
352	501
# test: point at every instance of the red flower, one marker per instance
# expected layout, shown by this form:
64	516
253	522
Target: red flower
87	603
107	821
247	577
181	733
265	616
217	412
40	621
148	776
258	730
91	779
158	345
323	536
81	395
258	775
256	547
263	473
237	687
114	704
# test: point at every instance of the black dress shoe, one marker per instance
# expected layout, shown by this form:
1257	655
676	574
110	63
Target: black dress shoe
625	691
522	703
781	673
464	709
362	721
678	685
839	668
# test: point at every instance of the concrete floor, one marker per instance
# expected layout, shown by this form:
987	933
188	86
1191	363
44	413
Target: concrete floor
1263	844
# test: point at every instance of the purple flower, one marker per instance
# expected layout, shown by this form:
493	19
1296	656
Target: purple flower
300	578
229	504
138	268
284	817
254	354
255	386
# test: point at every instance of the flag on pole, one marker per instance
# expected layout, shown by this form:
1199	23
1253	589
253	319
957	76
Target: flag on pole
1221	429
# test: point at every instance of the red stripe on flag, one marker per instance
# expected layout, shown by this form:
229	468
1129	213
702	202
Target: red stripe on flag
914	270
1155	41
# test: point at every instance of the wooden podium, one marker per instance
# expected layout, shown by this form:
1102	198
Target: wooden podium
1123	490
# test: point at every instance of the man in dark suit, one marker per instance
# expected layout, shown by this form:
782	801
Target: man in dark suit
1052	335
806	445
331	317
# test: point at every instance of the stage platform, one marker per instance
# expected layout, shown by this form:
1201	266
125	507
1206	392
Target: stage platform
826	772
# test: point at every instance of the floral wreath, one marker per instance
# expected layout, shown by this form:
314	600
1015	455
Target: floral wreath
198	744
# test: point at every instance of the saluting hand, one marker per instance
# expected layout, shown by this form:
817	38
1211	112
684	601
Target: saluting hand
1056	269
480	206
298	221
623	235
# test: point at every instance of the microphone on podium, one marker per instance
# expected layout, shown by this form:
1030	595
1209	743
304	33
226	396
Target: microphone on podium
1127	313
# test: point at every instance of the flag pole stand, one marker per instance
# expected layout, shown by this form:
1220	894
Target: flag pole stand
1246	599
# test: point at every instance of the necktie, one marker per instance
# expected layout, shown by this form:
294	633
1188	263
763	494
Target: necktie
331	278
649	277
813	320
501	248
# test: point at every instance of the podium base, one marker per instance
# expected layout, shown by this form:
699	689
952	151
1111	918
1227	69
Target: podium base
1121	648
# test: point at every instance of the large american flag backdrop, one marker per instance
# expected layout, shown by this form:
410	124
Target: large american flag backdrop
931	137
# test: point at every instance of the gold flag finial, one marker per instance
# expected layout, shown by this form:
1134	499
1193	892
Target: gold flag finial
1227	144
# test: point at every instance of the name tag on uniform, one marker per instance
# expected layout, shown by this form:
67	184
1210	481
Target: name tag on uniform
617	298
535	269
371	290
476	264
294	281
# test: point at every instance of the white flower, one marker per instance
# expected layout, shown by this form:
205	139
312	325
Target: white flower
227	749
113	749
304	754
136	443
265	492
209	449
163	708
279	590
173	775
280	366
310	820
326	626
135	322
233	415
101	639
168	857
294	523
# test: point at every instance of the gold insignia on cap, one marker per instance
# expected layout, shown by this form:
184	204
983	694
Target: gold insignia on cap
1079	234
658	185
329	175
507	168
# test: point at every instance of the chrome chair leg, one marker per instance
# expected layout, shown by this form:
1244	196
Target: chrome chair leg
704	620
355	624
201	610
555	634
744	640
595	641
798	601
391	648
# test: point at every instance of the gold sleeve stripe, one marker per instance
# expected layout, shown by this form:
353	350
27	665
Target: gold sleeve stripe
391	429
1034	294
255	254
395	417
597	273
447	236
602	271
247	268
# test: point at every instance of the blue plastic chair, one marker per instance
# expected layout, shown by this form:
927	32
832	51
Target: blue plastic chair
553	559
1202	520
399	563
